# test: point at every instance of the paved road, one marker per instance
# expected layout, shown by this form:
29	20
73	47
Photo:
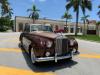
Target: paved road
13	61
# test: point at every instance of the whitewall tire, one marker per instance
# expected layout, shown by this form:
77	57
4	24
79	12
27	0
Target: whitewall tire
32	56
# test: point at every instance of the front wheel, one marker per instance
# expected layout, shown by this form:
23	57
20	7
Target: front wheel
70	58
32	55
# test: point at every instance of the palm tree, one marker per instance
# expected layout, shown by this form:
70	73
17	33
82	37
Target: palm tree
97	27
99	11
67	16
85	19
4	7
9	13
6	10
34	13
77	4
86	4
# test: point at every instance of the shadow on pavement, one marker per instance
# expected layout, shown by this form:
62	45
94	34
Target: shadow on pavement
48	66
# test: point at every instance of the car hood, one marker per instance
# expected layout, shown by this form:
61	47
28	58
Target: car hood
44	34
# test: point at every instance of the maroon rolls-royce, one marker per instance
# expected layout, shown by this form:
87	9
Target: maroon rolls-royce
43	45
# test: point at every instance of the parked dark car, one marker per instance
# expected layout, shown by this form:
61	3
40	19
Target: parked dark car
43	45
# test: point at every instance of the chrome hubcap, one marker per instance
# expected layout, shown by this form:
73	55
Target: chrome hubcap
32	56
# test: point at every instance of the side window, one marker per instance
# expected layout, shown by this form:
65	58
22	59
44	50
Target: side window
21	27
27	28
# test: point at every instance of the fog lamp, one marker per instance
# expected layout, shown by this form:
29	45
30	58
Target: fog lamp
49	44
47	54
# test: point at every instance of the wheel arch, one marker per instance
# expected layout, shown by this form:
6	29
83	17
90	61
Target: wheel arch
30	47
76	45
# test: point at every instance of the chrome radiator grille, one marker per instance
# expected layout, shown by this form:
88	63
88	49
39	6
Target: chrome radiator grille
61	46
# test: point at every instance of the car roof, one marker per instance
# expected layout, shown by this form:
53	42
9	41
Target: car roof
34	24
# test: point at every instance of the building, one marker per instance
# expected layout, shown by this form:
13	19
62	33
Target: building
91	27
20	23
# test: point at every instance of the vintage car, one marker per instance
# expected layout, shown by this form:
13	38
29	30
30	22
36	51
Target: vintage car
43	45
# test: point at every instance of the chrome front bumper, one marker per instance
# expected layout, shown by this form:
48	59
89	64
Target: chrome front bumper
55	58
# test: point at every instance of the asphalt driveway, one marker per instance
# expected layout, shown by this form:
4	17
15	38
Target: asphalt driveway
14	61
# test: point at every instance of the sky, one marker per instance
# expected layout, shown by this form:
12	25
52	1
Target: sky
51	9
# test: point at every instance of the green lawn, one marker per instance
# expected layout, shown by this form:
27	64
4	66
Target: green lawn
89	37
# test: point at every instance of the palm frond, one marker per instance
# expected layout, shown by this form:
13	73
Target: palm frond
28	10
85	17
5	7
33	12
99	6
69	4
98	23
67	16
98	13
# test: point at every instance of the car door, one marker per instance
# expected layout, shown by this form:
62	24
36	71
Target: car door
25	40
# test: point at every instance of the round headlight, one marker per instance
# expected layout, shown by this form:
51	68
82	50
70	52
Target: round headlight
71	42
49	44
47	54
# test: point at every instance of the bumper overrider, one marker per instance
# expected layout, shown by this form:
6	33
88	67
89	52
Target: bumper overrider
56	58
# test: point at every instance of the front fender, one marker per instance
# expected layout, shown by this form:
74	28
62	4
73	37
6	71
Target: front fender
21	35
76	45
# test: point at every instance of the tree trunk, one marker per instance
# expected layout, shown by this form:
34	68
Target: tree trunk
97	29
66	26
66	22
77	18
33	20
87	27
84	32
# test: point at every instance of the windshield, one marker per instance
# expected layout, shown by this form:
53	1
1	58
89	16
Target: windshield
41	28
47	28
36	28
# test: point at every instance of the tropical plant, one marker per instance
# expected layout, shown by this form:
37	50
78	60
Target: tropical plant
98	23
4	7
6	11
97	27
67	16
9	13
85	19
99	11
77	4
34	13
5	24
